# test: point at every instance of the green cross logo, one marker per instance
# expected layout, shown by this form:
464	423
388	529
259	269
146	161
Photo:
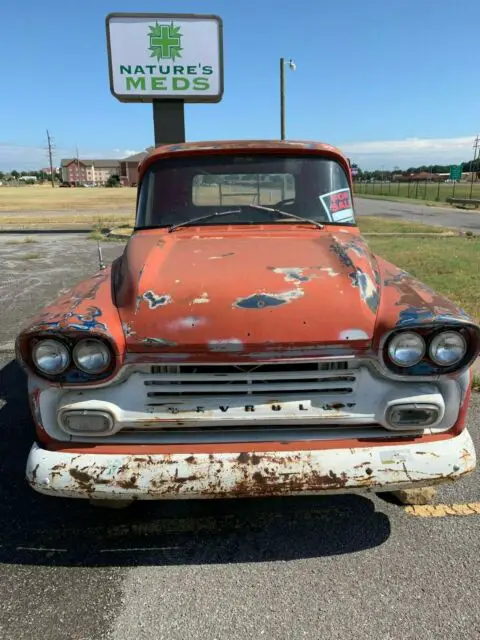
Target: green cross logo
165	41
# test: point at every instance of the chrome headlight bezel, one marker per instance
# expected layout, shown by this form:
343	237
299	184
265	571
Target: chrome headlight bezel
406	335
61	348
102	350
442	335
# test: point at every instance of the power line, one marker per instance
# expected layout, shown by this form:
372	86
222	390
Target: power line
50	157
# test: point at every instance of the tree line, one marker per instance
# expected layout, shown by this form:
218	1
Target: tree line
379	174
13	176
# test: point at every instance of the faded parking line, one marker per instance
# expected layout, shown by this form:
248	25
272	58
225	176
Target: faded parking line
444	510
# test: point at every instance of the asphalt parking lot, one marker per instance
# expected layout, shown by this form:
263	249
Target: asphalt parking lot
454	218
333	567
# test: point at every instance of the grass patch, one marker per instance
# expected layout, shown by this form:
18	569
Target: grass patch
476	382
44	198
448	265
375	224
66	219
24	241
96	235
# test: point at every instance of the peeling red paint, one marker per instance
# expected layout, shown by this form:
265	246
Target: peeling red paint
330	273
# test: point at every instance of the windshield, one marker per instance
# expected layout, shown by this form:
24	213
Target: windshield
183	190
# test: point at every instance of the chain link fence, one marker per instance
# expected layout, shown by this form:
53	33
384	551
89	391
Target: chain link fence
428	190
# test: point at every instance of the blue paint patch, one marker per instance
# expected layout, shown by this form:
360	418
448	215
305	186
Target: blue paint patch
88	320
368	291
258	301
154	300
342	255
261	300
414	315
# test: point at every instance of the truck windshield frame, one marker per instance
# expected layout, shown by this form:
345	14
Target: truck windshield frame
183	189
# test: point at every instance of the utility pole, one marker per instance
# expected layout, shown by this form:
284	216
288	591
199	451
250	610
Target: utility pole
476	144
78	166
292	66
50	158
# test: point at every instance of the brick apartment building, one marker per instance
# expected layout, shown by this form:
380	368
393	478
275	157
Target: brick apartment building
92	171
98	172
129	168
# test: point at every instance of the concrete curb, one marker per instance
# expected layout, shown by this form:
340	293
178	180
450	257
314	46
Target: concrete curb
118	233
43	230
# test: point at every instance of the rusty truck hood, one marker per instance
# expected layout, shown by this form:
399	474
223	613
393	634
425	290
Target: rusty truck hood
217	289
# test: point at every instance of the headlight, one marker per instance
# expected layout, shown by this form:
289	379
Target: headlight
50	357
406	349
448	348
91	356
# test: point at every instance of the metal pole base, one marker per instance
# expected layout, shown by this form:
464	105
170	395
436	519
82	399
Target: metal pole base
168	121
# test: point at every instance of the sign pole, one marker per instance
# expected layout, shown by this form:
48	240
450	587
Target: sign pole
168	121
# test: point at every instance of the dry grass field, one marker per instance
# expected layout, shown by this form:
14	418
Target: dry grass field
34	199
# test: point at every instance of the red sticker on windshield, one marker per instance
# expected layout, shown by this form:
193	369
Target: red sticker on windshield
340	201
338	205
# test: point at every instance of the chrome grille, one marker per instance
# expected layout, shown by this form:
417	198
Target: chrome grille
332	378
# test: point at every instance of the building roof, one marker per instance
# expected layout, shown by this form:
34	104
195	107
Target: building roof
101	164
137	157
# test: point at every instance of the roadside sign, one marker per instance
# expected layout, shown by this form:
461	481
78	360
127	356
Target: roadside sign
456	172
154	56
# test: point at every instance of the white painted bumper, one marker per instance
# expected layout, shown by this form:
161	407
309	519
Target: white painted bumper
217	475
150	477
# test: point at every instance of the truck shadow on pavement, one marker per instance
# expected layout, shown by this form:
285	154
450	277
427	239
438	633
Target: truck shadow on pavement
38	530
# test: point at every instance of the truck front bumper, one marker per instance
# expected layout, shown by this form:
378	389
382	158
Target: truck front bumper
249	474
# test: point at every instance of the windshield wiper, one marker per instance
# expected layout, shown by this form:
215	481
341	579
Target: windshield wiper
186	223
261	207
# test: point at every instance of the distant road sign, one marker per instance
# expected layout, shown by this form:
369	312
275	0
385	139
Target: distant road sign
456	172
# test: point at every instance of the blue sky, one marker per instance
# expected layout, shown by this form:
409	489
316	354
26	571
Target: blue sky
390	82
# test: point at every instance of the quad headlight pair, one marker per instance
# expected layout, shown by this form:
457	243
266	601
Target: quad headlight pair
445	349
52	357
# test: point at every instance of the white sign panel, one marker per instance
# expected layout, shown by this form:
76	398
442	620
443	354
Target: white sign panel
173	56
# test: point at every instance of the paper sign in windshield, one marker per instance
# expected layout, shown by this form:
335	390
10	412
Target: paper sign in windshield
338	206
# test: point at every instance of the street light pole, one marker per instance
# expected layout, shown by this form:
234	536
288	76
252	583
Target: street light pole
292	66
